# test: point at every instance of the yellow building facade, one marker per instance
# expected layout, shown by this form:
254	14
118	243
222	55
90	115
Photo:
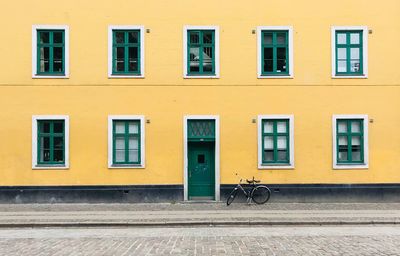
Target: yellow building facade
338	81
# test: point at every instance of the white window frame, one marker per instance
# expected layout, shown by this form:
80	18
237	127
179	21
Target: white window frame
365	165
35	120
364	52
35	28
110	47
261	165
140	118
216	47
259	51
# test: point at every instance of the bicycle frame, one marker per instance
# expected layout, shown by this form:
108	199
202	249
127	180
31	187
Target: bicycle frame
246	193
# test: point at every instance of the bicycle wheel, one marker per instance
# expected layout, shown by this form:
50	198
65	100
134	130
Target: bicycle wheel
231	196
260	194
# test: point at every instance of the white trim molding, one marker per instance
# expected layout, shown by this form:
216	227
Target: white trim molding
216	54
110	47
290	50
35	28
185	153
291	142
35	120
140	118
364	52
365	165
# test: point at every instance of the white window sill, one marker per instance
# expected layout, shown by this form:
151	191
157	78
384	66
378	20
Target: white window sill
270	166
206	76
125	76
50	77
50	167
345	77
126	166
350	166
275	77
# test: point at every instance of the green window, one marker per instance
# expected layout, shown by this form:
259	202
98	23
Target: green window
126	142
201	52
275	51
275	141
349	52
350	141
51	142
50	52
126	52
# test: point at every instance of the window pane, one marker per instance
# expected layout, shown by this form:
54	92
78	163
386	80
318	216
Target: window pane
268	53
57	59
356	153
194	38
282	140
58	127
268	60
355	66
119	127
120	59
281	38
281	63
44	37
120	155
342	154
120	37
281	127
342	140
119	143
133	156
207	59
58	142
268	155
44	55
133	143
133	37
282	155
133	127
58	37
44	127
267	38
268	142
342	66
341	38
44	143
356	126
342	53
355	53
355	141
342	127
58	156
354	38
207	37
268	127
133	59
44	155
194	59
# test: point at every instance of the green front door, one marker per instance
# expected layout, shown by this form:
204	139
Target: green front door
201	171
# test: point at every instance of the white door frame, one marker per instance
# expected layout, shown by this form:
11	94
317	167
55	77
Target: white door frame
185	153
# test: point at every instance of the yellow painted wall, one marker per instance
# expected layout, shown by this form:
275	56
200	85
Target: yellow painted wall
164	97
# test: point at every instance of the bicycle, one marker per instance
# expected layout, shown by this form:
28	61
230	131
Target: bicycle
259	194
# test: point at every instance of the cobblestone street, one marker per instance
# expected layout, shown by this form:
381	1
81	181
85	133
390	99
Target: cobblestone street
325	240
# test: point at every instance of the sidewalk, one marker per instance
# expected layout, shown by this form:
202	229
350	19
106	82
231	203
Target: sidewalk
192	214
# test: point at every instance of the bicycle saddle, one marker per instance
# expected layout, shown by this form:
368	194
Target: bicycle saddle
253	181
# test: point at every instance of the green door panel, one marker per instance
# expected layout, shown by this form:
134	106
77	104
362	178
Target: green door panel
201	173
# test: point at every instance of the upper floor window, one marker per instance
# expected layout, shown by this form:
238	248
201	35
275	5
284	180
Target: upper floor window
126	51
275	52
201	52
350	140
50	51
349	51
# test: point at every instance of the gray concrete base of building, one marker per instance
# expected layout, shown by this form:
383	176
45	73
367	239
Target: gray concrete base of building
292	193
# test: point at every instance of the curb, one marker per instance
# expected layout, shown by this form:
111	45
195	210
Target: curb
193	223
